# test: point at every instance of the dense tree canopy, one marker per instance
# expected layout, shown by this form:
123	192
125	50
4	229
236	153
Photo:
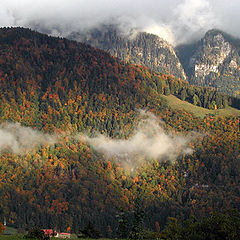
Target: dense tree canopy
62	87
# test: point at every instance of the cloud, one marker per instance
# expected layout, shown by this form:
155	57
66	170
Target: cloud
175	20
18	139
193	18
149	141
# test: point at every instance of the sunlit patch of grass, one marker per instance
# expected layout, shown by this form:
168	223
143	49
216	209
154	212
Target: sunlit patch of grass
178	104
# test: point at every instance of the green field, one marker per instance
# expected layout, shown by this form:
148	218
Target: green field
178	104
21	237
12	234
12	237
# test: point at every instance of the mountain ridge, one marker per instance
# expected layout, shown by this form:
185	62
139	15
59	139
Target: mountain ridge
139	48
192	62
60	87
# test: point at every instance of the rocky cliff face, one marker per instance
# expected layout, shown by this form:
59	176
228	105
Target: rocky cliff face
141	48
211	55
215	62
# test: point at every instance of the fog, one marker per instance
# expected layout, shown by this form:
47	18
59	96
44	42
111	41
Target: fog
177	21
18	139
148	141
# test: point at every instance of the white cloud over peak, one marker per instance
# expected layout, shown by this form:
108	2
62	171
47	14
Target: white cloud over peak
175	20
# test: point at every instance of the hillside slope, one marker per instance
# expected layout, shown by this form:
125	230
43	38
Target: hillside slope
57	94
178	104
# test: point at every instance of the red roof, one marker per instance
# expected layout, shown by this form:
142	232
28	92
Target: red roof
65	233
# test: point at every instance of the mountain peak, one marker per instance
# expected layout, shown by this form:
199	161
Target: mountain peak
138	47
214	62
213	32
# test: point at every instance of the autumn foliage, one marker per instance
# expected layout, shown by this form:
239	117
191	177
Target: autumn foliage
2	228
63	87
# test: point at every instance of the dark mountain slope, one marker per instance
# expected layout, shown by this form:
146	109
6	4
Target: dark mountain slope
56	66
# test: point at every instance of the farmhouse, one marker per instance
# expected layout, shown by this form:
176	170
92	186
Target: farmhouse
51	233
63	235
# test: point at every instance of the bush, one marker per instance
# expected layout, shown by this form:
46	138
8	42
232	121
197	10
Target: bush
36	233
89	232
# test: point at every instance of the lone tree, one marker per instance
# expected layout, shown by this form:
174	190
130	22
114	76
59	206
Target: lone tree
37	233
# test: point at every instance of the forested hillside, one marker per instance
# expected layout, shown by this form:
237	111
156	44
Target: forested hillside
62	93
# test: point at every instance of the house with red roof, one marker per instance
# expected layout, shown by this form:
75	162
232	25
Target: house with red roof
64	235
52	233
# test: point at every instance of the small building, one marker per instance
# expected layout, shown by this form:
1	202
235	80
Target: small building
52	233
63	235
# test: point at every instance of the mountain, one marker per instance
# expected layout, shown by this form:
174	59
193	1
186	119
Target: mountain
213	62
139	48
61	102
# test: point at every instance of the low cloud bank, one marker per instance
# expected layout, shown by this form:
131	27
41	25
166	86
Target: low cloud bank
18	139
177	21
149	141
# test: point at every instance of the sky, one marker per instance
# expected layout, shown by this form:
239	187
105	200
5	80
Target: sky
177	21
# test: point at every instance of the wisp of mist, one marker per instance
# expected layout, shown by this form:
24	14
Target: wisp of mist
148	141
18	139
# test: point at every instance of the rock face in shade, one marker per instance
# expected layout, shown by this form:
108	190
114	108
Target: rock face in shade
139	48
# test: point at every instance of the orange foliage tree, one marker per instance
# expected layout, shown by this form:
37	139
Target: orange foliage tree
2	228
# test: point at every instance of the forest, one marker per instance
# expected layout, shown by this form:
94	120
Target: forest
62	91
